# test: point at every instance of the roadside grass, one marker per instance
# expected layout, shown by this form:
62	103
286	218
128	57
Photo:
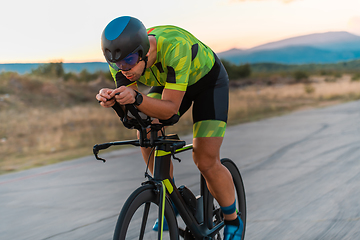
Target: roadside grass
33	134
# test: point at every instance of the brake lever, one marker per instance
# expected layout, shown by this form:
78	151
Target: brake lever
173	151
173	155
97	148
97	157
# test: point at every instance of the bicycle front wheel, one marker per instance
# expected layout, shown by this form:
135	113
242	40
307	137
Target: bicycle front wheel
139	214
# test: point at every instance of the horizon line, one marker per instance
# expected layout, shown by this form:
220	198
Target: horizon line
217	52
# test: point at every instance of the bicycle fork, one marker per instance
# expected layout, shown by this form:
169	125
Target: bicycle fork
162	196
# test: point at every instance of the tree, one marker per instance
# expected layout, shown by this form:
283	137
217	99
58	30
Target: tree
300	75
235	71
53	69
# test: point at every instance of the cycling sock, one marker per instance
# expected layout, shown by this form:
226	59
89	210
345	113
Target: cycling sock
229	209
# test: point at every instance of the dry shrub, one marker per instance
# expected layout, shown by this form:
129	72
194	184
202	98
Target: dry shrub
32	136
43	131
256	102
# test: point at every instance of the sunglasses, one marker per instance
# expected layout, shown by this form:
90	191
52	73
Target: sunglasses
127	63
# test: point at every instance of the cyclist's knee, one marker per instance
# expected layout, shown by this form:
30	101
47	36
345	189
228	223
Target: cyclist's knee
207	166
206	161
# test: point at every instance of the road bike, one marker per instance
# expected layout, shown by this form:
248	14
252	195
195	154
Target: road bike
157	197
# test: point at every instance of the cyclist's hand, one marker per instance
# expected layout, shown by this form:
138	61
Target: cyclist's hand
105	98
124	95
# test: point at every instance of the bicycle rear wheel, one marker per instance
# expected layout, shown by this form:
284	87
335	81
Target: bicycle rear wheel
139	213
239	195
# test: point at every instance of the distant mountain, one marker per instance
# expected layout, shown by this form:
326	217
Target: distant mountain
327	47
329	41
232	52
294	55
23	68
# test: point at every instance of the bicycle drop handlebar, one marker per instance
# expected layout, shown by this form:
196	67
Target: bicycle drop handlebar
141	124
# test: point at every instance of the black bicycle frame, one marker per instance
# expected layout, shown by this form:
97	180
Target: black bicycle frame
201	224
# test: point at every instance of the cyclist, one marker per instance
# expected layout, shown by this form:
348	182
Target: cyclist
182	71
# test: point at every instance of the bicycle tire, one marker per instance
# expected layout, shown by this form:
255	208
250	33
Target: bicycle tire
126	226
239	189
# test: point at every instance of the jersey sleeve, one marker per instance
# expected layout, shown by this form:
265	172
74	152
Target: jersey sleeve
178	63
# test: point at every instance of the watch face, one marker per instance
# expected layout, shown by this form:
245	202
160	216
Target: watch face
138	98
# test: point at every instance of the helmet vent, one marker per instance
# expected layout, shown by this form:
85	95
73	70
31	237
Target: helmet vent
117	54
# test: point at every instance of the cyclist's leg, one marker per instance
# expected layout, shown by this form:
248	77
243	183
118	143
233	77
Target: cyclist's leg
210	109
219	181
211	96
206	156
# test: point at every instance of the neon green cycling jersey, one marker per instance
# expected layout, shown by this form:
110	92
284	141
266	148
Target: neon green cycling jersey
181	60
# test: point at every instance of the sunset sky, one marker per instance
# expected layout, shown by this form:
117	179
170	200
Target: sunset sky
47	30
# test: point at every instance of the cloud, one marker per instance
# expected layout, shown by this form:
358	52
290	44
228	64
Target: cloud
284	1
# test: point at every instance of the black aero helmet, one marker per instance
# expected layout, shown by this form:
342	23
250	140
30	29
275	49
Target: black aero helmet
122	37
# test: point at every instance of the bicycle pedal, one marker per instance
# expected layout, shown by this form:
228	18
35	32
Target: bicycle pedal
188	235
181	232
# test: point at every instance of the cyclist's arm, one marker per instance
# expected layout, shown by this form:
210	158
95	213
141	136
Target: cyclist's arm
156	108
177	61
164	108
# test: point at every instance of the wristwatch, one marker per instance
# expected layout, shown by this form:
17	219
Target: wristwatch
138	98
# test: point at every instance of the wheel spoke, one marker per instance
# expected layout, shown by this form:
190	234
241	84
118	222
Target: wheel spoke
144	220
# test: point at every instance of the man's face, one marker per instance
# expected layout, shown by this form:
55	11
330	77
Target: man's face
134	73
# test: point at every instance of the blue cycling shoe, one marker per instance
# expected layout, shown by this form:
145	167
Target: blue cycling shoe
165	227
156	225
233	232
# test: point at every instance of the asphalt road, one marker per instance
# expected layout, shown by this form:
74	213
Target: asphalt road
301	173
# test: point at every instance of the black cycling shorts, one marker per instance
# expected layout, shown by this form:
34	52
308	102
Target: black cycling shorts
210	99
